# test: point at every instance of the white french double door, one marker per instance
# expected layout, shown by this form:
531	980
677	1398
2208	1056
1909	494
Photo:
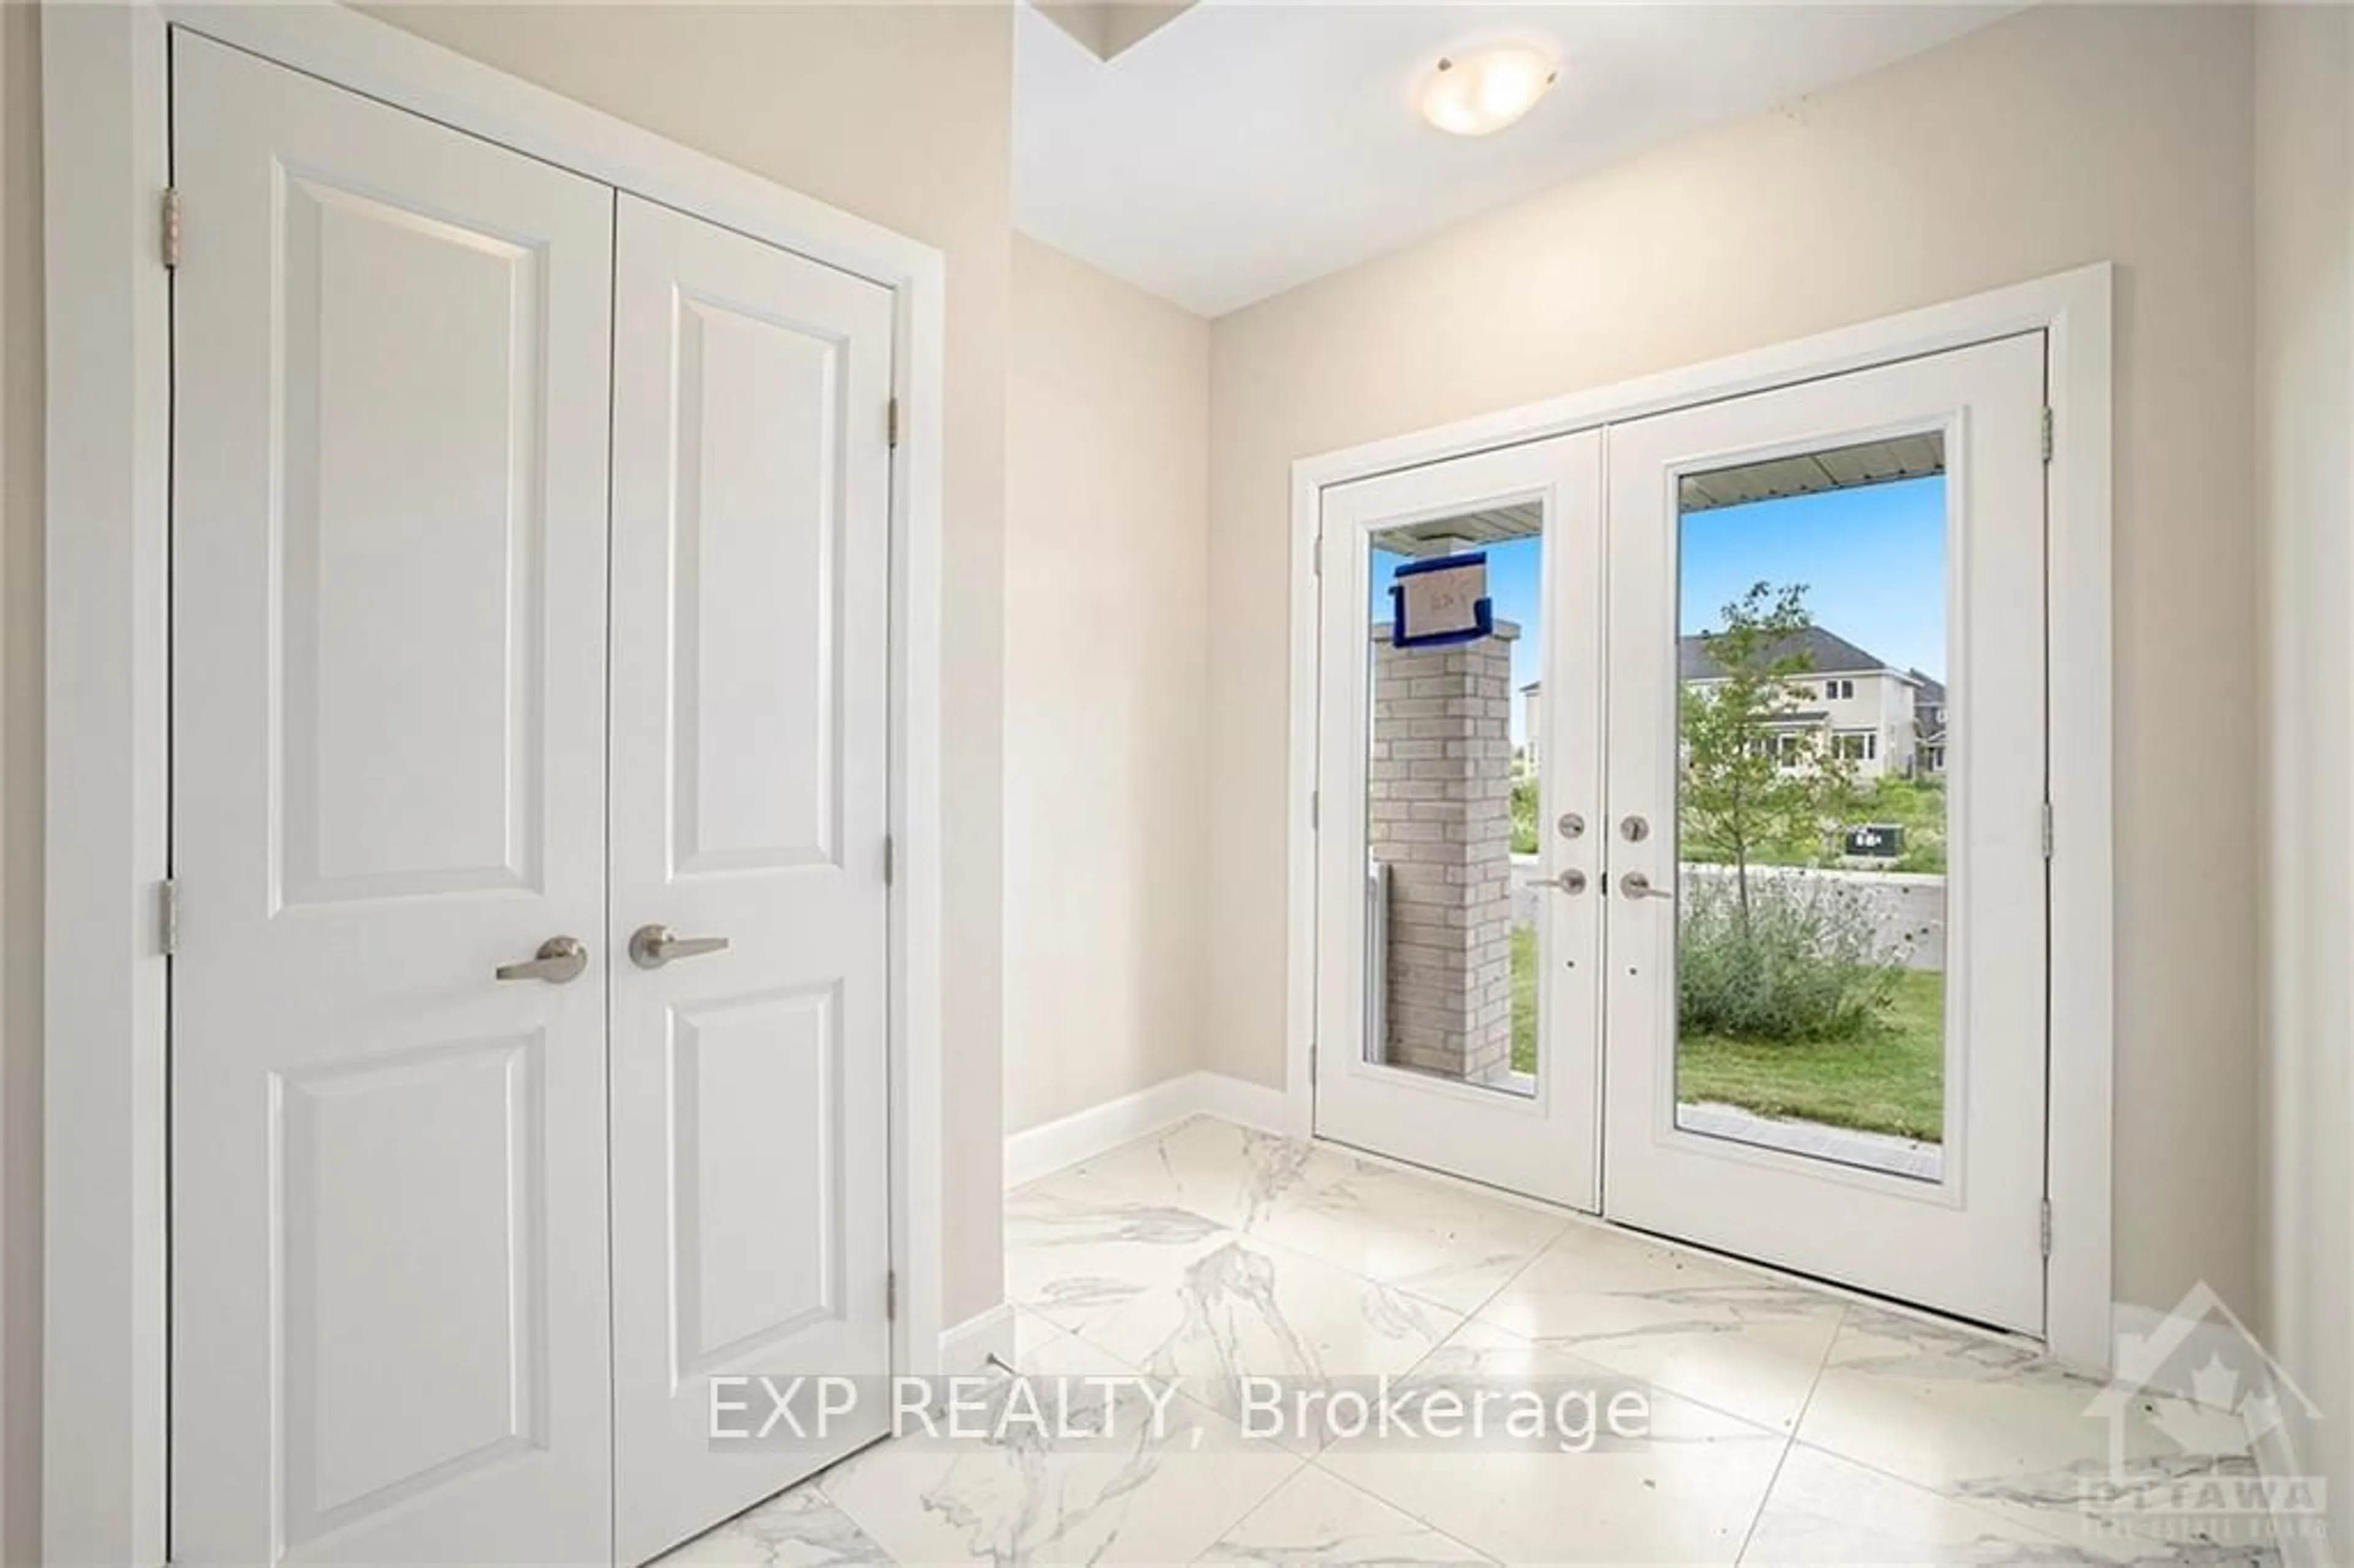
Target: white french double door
1707	891
529	640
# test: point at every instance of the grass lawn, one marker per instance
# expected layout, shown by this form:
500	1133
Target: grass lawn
1890	1080
1524	999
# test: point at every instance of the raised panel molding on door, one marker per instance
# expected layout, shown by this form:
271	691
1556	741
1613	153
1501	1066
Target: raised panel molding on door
389	1304
750	666
358	819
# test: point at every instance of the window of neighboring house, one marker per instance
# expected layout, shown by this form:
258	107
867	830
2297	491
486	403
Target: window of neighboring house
1857	744
1787	748
1838	689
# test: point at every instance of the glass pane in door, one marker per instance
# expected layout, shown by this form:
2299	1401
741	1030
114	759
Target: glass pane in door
1812	830
1453	739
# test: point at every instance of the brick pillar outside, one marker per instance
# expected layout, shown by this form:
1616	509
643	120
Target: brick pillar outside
1439	816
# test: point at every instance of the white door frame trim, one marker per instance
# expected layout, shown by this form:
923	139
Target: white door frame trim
105	121
2074	309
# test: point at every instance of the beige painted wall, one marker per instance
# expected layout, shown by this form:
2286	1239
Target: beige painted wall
1107	473
20	785
2304	469
2063	136
899	113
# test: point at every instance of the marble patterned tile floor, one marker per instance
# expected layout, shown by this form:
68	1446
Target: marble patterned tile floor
1781	1424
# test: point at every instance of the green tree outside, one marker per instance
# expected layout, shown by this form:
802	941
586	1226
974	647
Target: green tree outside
1758	788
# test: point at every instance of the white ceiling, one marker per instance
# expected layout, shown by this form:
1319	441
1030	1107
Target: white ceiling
1245	148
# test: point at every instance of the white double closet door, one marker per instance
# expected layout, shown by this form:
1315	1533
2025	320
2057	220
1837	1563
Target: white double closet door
530	564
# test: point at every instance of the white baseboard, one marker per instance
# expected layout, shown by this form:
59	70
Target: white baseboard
971	1345
1051	1146
2209	1336
2301	1538
1245	1103
2202	1339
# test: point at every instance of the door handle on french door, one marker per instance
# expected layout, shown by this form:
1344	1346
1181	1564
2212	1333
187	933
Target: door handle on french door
1570	880
652	947
1635	884
560	959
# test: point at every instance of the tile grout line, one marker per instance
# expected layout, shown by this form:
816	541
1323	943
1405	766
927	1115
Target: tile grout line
1255	1503
817	1490
1566	1347
1581	1222
1244	1233
1393	1505
2033	1523
1790	1440
1472	1316
1442	1229
2039	1520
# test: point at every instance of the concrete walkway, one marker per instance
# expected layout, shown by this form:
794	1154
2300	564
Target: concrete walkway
1843	1145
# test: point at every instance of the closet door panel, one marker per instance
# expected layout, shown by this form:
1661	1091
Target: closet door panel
388	1212
750	659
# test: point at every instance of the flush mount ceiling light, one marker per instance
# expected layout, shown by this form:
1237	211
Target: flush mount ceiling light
1475	93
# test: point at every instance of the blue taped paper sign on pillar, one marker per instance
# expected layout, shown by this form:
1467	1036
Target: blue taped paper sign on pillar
1441	600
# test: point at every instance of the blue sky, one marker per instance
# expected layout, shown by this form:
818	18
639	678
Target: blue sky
1872	558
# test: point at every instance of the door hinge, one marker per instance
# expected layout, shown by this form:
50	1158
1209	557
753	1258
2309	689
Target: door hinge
2049	425
1315	810
1316	555
891	1295
890	860
891	424
1314	1057
2047	830
2046	1227
171	227
167	916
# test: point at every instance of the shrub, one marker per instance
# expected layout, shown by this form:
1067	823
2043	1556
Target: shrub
1918	805
1524	815
1799	964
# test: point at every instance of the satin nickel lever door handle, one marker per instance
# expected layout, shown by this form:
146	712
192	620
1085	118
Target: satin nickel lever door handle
1635	884
1570	880
652	947
560	959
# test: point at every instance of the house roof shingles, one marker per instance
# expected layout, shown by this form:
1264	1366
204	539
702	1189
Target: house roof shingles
1826	654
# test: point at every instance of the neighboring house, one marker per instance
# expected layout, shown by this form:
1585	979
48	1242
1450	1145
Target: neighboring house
1867	707
1882	719
1928	724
